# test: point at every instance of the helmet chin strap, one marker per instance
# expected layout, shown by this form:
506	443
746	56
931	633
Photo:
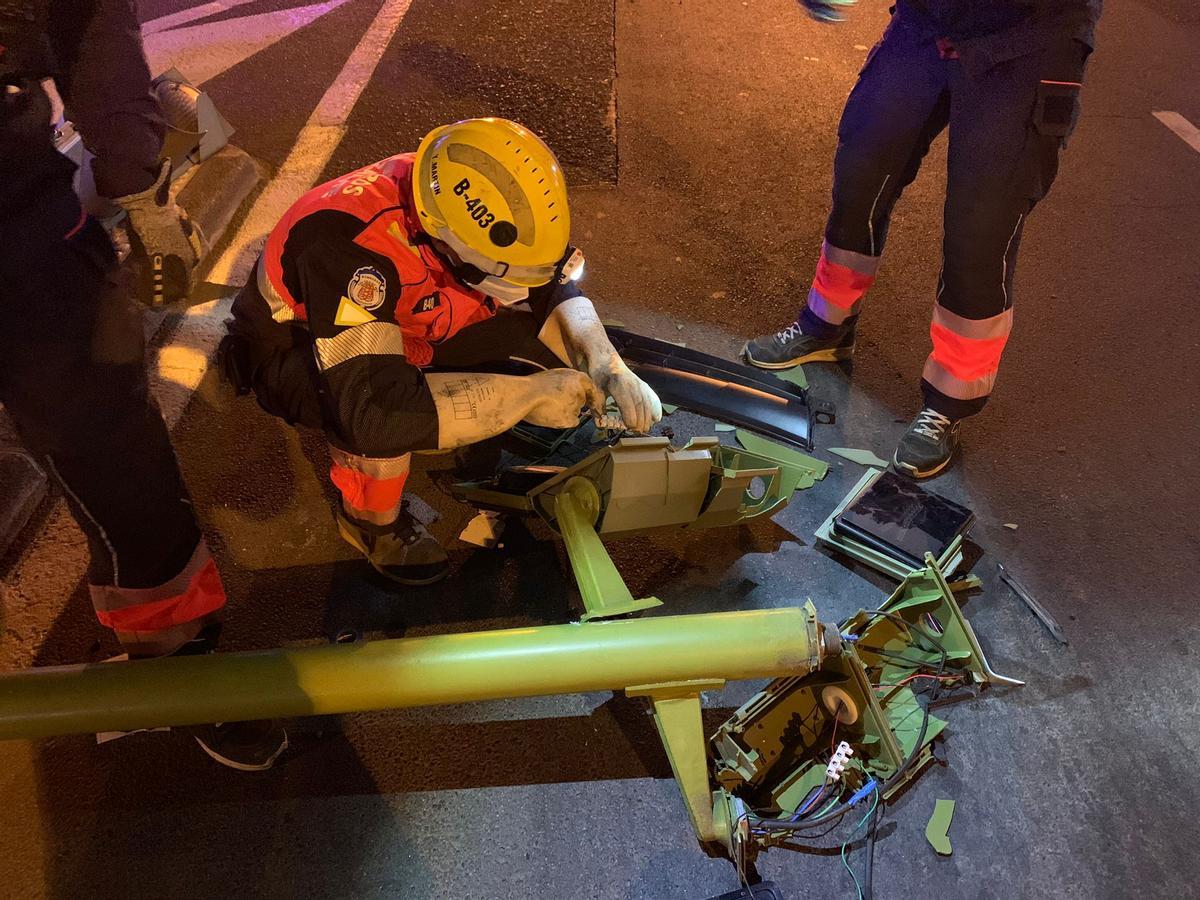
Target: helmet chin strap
502	292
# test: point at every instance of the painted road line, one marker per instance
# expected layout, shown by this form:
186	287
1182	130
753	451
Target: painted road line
162	23
204	51
180	365
313	148
1181	126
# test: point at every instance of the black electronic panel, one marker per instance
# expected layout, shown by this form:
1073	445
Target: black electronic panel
898	517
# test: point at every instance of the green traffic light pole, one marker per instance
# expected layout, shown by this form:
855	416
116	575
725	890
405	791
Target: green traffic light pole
669	659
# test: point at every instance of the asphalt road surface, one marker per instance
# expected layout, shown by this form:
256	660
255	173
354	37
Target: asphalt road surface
697	137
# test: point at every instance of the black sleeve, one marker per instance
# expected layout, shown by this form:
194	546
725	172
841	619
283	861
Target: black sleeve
377	403
37	199
105	85
544	299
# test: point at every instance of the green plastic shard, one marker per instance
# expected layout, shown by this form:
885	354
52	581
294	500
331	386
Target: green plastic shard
723	426
796	376
862	457
669	408
816	469
938	829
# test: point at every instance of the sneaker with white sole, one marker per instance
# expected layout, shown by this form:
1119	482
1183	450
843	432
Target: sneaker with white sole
928	445
792	347
244	746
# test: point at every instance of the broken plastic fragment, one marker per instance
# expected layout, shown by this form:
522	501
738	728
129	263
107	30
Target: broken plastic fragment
817	468
484	530
938	830
724	426
795	376
669	408
862	457
1011	526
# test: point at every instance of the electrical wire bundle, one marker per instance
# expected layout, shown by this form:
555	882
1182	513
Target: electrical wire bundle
804	822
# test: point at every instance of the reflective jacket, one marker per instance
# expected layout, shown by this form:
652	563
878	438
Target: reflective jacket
351	265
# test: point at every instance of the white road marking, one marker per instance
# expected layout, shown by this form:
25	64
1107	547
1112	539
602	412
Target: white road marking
203	11
1181	126
202	52
181	365
313	148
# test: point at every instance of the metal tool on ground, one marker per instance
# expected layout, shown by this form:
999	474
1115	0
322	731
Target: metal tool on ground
1043	615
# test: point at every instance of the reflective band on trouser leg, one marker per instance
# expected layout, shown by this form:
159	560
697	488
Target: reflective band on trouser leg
158	620
367	484
842	279
966	353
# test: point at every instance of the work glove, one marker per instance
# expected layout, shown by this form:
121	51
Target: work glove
562	394
173	245
826	10
636	401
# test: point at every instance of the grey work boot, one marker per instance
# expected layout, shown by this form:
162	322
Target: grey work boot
929	444
403	551
792	347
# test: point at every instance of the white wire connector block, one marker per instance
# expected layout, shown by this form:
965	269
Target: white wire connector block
837	763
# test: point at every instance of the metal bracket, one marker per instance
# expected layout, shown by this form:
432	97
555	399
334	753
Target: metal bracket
681	728
576	508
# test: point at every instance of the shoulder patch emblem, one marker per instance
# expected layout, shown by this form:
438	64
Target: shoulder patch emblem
367	288
427	304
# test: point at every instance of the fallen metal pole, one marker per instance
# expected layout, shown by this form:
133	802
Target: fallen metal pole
418	671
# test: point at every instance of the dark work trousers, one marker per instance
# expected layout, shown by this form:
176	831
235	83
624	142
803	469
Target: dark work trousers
1006	128
72	378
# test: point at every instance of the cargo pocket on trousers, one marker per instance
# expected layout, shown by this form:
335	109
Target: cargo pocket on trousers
1055	113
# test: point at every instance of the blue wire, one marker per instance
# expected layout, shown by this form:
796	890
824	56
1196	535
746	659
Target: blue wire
812	802
861	823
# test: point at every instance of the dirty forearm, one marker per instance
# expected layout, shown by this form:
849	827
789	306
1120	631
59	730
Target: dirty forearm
575	333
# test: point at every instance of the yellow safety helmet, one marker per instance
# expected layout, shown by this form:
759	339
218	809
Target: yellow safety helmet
495	193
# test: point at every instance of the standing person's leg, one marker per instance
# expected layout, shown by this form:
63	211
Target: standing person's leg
72	377
899	105
1007	127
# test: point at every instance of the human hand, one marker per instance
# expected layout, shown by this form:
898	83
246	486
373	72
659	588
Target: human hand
639	406
562	393
173	244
